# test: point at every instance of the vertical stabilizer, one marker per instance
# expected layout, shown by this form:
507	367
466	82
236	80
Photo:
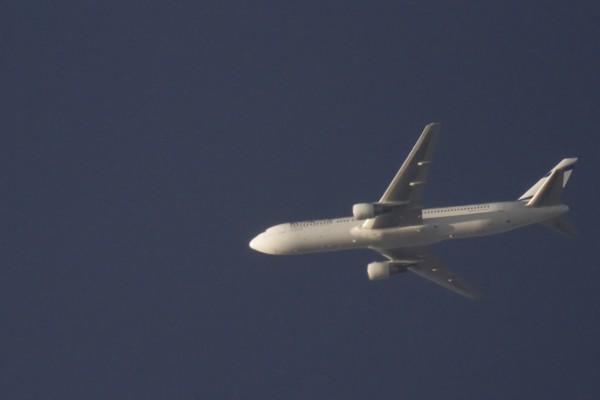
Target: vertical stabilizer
550	193
551	184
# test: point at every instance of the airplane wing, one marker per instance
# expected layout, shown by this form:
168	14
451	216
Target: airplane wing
433	270
405	191
420	261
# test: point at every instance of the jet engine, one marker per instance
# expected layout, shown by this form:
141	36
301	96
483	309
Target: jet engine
368	210
383	270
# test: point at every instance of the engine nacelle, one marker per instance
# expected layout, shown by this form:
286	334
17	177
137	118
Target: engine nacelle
368	210
383	270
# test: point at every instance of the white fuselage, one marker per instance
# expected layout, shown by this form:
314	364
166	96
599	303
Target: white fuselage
437	224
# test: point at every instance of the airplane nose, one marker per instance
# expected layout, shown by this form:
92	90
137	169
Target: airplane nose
254	243
263	244
259	243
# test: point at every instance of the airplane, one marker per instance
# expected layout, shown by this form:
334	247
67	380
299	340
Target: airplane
400	229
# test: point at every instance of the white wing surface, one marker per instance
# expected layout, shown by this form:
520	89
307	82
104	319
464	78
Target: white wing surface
420	261
405	192
430	268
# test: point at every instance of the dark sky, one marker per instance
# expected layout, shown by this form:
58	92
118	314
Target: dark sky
145	143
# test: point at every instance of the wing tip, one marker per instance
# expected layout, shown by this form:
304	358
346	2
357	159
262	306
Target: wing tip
476	296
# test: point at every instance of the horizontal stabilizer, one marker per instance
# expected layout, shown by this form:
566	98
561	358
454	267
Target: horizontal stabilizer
561	225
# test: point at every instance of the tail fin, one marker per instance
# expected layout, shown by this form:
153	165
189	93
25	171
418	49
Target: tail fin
548	190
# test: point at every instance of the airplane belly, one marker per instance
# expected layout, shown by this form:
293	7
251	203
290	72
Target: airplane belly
488	226
407	236
472	228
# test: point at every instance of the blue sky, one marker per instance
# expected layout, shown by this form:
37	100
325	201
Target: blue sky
144	144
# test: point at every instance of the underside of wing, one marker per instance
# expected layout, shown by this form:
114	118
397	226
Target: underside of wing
405	191
420	261
434	271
